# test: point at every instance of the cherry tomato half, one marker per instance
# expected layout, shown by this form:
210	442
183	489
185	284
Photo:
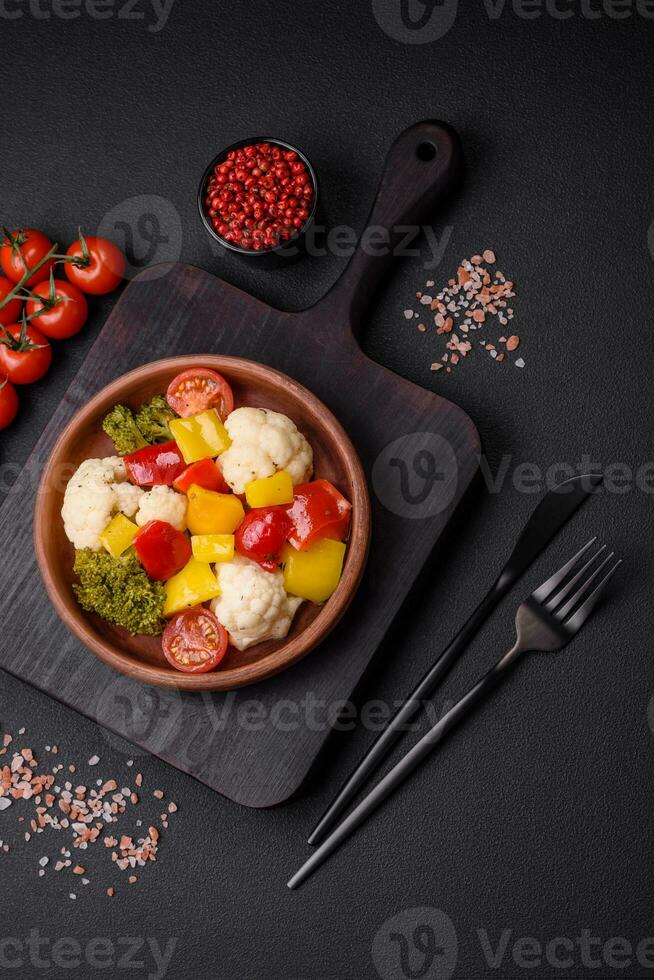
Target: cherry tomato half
261	535
105	270
318	511
8	404
162	549
25	354
34	246
198	389
11	312
194	641
62	317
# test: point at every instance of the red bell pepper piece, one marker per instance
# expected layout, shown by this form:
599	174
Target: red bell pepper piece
318	511
157	465
162	549
204	474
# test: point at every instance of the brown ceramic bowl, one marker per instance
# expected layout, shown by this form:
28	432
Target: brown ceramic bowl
141	657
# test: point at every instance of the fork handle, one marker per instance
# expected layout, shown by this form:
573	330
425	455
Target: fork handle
398	724
409	762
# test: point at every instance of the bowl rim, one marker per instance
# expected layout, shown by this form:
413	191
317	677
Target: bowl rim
288	653
219	158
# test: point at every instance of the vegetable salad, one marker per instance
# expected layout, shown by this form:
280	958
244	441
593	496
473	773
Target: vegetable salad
205	526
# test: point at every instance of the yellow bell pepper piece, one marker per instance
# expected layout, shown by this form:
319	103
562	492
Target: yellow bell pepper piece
195	584
313	574
213	547
200	436
209	512
275	489
118	535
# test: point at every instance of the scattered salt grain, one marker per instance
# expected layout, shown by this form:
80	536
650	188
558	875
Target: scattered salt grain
520	363
473	299
82	810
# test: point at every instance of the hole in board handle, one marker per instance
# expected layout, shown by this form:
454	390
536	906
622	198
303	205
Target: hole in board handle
426	151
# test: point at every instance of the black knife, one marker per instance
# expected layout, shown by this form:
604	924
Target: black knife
556	507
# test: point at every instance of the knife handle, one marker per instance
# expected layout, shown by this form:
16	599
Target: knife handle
413	758
382	746
421	171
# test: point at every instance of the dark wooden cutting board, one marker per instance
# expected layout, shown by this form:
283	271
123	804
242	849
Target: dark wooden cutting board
419	452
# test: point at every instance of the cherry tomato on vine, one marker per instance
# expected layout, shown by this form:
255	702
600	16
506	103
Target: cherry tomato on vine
64	307
11	312
261	535
25	354
103	269
8	403
25	247
194	641
198	389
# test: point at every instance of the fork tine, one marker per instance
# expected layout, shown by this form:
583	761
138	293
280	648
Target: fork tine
582	614
565	610
546	589
558	597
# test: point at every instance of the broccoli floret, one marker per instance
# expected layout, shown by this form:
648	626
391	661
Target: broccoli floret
119	590
153	418
120	425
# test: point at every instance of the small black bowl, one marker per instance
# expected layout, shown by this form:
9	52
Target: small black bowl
292	246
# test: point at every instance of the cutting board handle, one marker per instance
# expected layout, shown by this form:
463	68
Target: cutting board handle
422	169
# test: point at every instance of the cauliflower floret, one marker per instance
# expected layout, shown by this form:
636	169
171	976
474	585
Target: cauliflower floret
264	442
97	490
253	605
162	504
129	498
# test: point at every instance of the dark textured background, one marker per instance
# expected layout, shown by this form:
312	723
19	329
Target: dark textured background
537	817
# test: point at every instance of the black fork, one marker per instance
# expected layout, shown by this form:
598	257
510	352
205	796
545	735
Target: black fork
546	621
